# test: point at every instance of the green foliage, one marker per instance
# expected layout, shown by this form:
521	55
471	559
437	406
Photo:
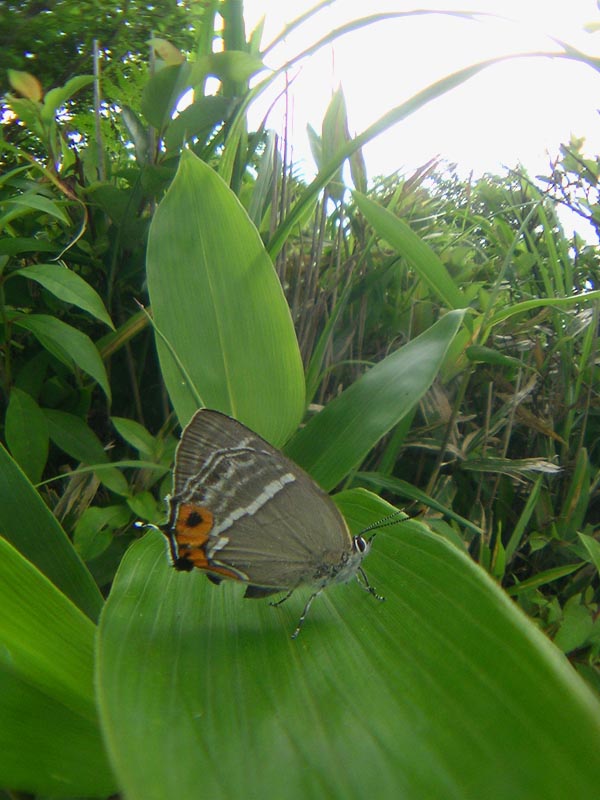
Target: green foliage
448	329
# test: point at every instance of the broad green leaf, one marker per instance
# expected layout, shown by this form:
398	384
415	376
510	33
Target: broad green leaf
49	735
228	65
69	287
68	344
28	111
26	432
419	255
56	98
162	92
337	439
445	689
197	120
218	304
77	439
28	524
170	54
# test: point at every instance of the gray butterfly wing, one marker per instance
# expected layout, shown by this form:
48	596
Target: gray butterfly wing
270	522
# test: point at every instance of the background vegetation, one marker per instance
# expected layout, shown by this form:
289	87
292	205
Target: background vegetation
448	332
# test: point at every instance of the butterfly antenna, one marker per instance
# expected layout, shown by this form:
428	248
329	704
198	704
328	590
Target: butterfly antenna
391	519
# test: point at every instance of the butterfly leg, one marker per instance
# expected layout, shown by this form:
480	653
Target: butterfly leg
305	612
363	582
285	597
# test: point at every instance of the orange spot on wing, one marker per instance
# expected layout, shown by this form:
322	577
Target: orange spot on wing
192	532
193	525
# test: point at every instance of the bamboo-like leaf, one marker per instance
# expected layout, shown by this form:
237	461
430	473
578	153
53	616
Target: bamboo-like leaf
32	200
389	119
26	432
69	287
68	344
337	439
445	689
545	577
77	439
593	547
135	435
419	255
49	735
29	525
219	305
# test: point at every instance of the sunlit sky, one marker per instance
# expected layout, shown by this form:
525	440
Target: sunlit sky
518	111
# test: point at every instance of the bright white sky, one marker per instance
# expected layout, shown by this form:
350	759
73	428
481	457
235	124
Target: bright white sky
518	111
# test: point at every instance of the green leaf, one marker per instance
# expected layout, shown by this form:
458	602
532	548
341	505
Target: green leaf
135	435
38	202
334	135
390	118
593	548
419	255
69	287
26	84
544	577
67	344
49	735
576	627
138	133
217	301
26	432
75	437
337	439
30	526
487	355
576	503
228	65
162	92
197	120
445	689
21	244
28	111
95	528
56	98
